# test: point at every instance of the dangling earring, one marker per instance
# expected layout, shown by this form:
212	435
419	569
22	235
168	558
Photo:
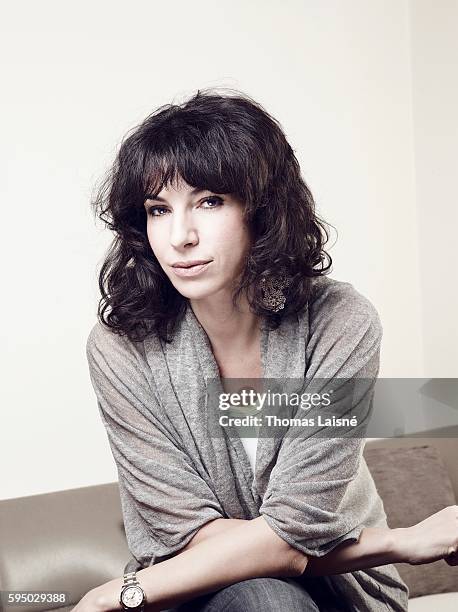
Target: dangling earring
274	298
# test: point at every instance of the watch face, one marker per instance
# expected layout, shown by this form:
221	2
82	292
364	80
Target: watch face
132	596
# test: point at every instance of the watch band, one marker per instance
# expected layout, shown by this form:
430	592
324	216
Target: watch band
130	578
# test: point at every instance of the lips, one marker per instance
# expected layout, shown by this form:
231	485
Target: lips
190	264
191	270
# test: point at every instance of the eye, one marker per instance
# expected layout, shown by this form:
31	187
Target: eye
214	199
153	209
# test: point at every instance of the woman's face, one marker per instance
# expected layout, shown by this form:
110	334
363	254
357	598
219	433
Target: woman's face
185	226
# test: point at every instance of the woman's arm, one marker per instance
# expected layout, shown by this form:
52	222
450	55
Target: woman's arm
374	547
249	550
432	539
212	528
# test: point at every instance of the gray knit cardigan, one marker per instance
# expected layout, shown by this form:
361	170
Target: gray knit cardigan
174	477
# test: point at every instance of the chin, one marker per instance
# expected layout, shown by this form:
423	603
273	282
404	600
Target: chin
195	296
197	293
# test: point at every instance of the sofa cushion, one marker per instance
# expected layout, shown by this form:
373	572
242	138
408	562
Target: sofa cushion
414	484
442	602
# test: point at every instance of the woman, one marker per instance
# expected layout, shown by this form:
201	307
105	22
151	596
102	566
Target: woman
218	273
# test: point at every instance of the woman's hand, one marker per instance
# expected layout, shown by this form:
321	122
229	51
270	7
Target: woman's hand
101	598
430	540
89	603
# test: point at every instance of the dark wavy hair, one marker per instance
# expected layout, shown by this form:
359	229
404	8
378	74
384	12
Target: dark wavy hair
227	143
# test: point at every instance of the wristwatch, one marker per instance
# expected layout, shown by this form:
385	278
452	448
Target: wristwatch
132	595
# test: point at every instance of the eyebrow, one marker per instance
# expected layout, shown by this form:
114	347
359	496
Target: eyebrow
150	196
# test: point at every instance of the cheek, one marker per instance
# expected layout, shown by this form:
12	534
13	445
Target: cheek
155	242
230	234
232	243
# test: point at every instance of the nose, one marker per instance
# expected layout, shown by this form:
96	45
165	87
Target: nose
182	230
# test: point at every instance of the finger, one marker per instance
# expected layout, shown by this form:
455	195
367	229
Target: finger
452	559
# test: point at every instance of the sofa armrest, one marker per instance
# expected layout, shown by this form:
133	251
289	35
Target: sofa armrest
67	541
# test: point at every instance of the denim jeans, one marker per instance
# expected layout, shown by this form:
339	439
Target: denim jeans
269	595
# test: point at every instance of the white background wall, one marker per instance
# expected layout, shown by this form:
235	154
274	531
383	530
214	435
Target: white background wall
366	93
434	43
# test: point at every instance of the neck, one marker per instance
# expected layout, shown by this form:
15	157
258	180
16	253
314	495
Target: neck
227	327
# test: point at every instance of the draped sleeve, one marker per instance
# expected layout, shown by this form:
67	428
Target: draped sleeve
320	492
165	499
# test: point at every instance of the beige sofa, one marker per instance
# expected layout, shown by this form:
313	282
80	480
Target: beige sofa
74	540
